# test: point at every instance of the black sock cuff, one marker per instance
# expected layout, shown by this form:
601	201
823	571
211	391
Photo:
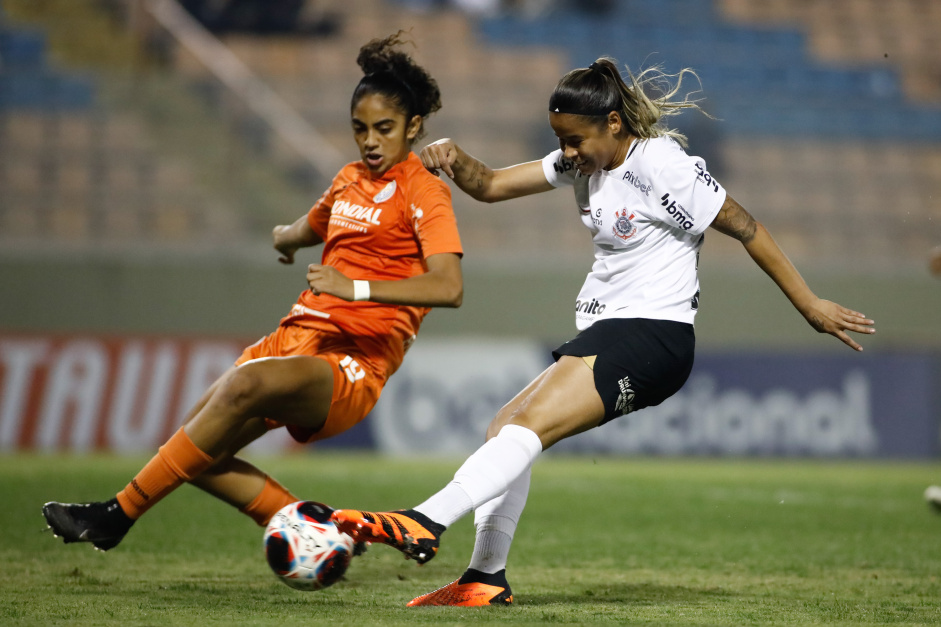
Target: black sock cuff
424	521
472	575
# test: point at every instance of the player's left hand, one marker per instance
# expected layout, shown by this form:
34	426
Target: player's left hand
829	317
285	243
329	280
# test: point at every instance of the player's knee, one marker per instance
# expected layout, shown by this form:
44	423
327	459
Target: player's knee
243	389
503	417
218	466
516	415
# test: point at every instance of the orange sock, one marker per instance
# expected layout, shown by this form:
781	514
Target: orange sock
272	497
176	461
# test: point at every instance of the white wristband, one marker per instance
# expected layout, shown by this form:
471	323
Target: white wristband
360	290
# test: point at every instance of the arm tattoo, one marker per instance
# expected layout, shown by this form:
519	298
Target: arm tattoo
817	323
474	171
477	175
735	222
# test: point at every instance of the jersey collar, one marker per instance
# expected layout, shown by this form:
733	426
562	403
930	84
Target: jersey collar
400	168
619	171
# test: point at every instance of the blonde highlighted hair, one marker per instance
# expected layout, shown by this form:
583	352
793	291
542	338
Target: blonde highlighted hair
643	101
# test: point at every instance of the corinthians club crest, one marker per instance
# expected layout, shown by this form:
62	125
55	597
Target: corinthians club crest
623	227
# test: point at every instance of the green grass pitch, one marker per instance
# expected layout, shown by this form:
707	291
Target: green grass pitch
603	540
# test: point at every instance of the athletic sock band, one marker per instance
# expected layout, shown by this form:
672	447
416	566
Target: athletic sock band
270	500
485	475
177	461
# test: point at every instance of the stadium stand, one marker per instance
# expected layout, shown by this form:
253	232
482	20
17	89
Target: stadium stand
827	127
81	162
811	127
26	82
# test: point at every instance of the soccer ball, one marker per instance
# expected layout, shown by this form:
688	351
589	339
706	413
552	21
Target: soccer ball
304	548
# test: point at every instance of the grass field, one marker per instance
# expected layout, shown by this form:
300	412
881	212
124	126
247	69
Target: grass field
602	541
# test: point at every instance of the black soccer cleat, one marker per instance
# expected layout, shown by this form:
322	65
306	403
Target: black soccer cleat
103	524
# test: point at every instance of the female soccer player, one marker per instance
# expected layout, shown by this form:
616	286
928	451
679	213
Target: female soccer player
646	204
391	251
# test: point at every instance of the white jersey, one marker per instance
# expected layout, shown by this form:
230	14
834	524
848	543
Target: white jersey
647	219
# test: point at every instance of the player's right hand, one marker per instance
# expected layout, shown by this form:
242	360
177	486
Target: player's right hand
440	155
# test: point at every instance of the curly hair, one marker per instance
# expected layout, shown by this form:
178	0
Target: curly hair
394	75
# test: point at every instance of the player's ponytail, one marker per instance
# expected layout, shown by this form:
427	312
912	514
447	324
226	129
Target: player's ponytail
396	76
599	89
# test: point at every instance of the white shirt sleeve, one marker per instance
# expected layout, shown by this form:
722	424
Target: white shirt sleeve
689	198
559	171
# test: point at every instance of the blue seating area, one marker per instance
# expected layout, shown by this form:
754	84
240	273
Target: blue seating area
758	81
26	81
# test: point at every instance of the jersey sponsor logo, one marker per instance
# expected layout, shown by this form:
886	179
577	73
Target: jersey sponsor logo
591	307
678	213
702	174
634	180
623	227
351	213
625	402
385	193
694	301
563	165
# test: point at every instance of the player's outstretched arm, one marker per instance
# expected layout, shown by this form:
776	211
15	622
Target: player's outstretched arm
478	180
442	285
823	315
289	238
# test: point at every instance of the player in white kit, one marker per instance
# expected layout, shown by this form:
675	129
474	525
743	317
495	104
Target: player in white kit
647	205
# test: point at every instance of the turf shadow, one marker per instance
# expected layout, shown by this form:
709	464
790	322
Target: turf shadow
625	594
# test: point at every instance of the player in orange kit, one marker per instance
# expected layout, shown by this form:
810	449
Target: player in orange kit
391	252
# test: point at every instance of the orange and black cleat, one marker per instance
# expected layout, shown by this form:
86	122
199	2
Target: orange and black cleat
411	532
473	589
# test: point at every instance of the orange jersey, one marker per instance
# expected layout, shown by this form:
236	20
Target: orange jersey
378	229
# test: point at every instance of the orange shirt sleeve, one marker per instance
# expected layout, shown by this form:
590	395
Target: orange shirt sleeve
433	217
319	215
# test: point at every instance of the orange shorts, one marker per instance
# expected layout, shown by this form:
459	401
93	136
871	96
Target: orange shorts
357	378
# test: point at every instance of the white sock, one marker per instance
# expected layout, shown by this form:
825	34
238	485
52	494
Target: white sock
496	522
486	474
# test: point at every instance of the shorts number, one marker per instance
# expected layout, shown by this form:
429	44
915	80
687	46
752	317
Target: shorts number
354	372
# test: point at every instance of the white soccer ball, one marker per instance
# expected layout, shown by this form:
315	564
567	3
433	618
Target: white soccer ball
304	548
